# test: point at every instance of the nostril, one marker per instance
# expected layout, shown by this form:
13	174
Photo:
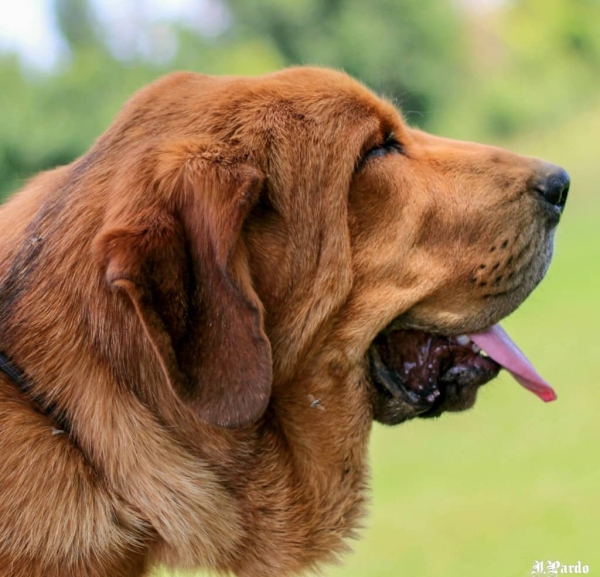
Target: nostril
554	188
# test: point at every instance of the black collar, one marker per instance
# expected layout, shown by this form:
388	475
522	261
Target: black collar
41	404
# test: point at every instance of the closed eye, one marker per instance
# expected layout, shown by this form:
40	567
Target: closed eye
389	145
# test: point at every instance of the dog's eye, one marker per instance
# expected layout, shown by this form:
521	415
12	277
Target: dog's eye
389	145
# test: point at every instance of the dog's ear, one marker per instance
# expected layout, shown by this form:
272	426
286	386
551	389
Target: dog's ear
173	247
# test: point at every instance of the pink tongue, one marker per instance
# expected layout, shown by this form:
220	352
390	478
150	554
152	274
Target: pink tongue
500	347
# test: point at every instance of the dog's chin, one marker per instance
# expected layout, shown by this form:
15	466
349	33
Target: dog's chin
419	374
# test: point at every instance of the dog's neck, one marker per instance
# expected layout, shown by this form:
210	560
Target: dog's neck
201	488
312	439
41	404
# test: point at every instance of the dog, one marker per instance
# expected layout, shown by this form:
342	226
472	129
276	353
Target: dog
203	315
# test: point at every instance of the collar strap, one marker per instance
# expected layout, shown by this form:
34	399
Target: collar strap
43	406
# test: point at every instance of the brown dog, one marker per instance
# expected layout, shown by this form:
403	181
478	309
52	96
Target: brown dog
202	316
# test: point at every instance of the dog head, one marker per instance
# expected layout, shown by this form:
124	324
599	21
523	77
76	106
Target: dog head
258	225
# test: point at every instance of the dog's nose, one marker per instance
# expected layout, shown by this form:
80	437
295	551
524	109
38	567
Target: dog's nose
554	186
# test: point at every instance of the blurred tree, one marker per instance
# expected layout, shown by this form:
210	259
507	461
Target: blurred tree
76	23
544	63
48	119
553	62
407	49
410	50
545	66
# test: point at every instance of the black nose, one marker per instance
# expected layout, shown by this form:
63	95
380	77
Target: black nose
554	187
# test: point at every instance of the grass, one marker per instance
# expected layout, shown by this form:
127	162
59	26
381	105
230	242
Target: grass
487	492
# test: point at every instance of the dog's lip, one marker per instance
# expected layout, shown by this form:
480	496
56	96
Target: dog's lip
413	364
421	368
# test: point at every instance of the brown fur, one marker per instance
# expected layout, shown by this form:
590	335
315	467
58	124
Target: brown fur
185	291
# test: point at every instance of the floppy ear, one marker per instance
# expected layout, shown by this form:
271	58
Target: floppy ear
173	247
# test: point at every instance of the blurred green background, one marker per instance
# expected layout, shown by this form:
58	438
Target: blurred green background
485	493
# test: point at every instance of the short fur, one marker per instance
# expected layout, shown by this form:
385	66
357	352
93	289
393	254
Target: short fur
196	295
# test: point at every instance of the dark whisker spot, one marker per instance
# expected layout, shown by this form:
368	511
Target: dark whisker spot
493	249
509	261
495	267
483	284
482	266
505	243
474	279
498	279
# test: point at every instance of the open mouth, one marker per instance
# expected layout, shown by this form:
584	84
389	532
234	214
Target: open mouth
423	374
